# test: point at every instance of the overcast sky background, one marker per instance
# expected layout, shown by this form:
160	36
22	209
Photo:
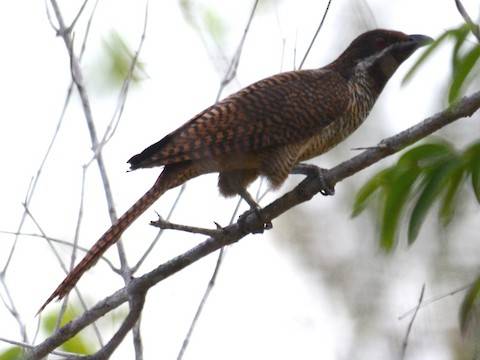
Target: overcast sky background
267	304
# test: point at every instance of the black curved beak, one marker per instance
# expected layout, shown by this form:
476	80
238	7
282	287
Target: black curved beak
420	40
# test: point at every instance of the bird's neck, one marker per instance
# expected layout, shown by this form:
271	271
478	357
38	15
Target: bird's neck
378	69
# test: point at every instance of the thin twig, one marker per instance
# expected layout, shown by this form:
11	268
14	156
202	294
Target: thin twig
61	242
316	33
29	346
208	290
64	268
435	299
75	246
77	77
164	224
137	300
474	28
34	182
12	309
410	325
79	13
159	234
232	68
122	97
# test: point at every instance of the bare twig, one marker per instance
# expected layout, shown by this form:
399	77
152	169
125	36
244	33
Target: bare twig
316	33
232	68
154	242
34	182
59	241
410	324
137	300
79	83
75	246
28	346
12	309
233	233
163	224
474	28
79	13
122	97
206	294
435	299
64	268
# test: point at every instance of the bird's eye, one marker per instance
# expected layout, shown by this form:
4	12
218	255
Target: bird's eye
380	43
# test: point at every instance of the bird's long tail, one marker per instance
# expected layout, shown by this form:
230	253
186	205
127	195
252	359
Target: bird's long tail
170	177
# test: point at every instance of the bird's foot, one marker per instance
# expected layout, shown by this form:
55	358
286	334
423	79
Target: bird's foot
318	173
248	228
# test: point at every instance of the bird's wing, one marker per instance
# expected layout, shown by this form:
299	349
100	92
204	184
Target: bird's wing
278	110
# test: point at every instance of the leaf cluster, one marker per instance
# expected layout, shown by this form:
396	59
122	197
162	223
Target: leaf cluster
464	58
428	173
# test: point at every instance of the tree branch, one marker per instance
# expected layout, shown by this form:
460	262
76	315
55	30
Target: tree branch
303	192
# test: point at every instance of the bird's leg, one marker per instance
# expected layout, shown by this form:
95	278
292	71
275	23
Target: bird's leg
314	171
254	207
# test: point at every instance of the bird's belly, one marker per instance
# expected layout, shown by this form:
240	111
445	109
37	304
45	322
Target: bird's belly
330	136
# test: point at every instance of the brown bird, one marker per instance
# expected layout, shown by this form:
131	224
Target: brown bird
266	129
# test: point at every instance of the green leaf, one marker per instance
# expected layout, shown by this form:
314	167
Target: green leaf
426	154
435	181
14	353
463	68
78	344
447	206
425	55
396	197
475	169
367	190
214	25
120	59
470	302
458	34
472	155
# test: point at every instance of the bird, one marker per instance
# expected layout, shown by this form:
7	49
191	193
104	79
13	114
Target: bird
267	129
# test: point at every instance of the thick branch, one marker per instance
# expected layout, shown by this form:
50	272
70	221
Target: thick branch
231	234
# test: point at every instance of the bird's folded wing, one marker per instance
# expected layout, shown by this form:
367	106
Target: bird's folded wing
279	110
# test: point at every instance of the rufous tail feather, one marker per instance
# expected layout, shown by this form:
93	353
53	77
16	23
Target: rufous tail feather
108	239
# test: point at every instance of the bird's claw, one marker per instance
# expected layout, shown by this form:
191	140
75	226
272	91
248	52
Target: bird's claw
316	172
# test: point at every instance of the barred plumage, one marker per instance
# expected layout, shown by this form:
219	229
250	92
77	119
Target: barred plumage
266	128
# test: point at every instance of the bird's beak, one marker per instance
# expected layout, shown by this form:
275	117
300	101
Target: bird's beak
420	40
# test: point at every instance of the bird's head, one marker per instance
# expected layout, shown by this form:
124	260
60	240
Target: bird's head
380	52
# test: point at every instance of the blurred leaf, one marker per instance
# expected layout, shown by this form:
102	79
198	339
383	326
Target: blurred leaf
447	206
434	183
425	155
367	190
458	35
186	8
120	59
462	69
425	55
474	159
78	344
14	353
214	25
396	197
470	302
